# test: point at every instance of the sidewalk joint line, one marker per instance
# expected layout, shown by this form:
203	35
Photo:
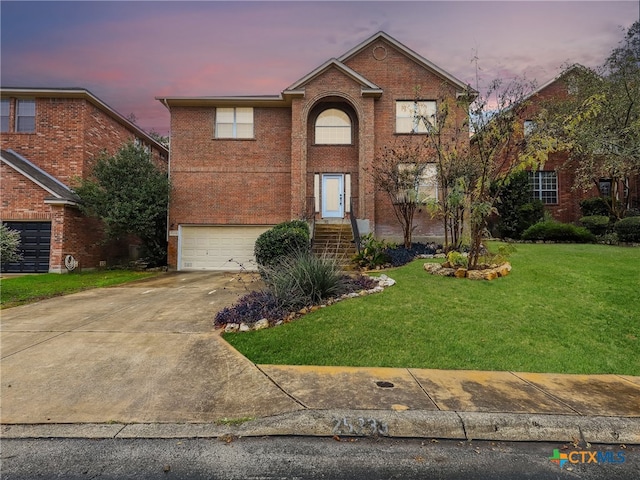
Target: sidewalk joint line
120	431
34	345
423	389
282	389
550	395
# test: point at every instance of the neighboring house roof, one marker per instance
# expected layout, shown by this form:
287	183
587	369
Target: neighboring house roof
576	67
368	88
61	194
83	93
420	60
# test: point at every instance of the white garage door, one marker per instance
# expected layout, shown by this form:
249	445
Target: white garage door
226	248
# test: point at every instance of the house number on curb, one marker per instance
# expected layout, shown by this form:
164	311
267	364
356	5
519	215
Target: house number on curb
359	426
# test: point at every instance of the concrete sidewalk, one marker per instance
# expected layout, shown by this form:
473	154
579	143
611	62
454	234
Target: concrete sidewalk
143	361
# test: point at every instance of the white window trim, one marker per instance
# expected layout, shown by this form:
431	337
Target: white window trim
234	124
428	179
7	102
412	109
18	116
538	193
329	140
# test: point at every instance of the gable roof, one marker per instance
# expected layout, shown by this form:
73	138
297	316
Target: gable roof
420	60
576	67
284	99
59	191
368	88
83	93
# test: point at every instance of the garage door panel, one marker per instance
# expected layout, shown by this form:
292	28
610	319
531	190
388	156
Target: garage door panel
35	244
228	248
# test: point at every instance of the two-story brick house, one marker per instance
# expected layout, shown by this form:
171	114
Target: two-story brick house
554	182
239	165
49	138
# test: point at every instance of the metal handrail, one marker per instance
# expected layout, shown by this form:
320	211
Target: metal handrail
354	226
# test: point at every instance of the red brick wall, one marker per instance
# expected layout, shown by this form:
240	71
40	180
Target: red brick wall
401	79
270	179
567	209
227	181
70	133
332	158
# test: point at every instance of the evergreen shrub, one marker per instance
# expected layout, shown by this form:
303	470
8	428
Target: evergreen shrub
596	224
558	232
287	238
628	229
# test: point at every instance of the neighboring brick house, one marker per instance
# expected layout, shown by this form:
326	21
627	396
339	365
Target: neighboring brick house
49	138
240	165
553	183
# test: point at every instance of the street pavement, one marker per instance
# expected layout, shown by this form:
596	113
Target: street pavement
143	361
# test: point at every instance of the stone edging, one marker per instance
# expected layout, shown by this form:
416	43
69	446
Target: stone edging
383	282
491	273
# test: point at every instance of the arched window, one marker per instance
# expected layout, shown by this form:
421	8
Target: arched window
333	127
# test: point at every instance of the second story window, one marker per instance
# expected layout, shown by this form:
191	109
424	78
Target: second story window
5	106
414	116
234	122
333	127
26	116
529	127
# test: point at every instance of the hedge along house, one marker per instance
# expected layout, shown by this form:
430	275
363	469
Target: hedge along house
239	165
49	138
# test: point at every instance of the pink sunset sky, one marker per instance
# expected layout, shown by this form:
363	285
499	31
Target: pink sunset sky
128	53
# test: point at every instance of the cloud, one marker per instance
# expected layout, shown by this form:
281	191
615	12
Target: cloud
129	52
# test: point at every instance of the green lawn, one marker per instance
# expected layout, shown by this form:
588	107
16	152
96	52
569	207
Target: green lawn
565	308
31	288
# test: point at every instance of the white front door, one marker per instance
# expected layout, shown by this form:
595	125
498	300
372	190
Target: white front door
332	195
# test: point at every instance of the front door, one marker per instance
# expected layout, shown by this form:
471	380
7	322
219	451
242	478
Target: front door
332	195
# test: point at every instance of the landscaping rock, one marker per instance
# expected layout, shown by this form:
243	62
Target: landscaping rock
446	272
244	327
385	281
432	267
460	273
504	269
231	327
490	274
261	324
474	275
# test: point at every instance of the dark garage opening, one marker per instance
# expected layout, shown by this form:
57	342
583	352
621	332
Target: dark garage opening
35	246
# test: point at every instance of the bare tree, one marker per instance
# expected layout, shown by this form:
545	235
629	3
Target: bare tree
497	150
397	172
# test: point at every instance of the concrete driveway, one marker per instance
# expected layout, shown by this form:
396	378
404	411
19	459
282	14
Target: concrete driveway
144	352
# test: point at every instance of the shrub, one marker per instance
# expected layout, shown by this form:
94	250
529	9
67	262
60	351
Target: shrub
399	255
594	206
264	304
596	224
288	238
9	244
457	260
357	283
294	224
373	252
303	279
516	209
251	308
628	229
558	232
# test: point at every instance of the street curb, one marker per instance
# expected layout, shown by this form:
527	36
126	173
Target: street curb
365	423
